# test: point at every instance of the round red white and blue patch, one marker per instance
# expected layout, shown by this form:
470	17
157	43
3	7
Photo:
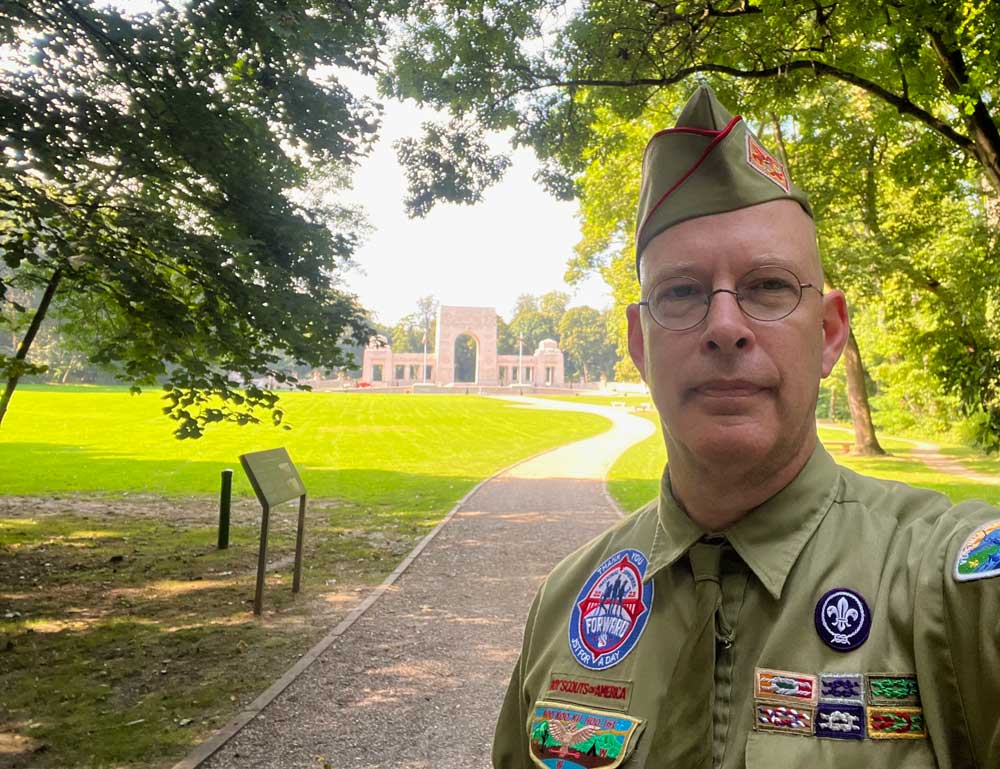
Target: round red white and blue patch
611	610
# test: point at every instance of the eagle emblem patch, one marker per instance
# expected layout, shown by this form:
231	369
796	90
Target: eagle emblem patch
761	161
566	737
610	611
979	557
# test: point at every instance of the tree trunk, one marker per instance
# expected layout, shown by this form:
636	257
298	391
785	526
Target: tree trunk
29	337
69	370
984	133
865	441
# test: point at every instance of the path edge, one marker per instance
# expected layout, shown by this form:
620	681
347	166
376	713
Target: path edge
204	750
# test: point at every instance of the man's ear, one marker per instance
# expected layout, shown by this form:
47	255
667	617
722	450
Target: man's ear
636	343
836	328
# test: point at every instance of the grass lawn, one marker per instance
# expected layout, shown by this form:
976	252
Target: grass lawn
125	635
634	479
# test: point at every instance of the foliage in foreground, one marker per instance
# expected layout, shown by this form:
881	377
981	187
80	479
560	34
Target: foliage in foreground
165	190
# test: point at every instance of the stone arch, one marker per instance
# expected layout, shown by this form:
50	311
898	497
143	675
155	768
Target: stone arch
478	322
466	356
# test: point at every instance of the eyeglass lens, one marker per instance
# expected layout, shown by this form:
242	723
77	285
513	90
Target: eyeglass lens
764	293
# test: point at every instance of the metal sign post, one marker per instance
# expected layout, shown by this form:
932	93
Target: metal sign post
275	480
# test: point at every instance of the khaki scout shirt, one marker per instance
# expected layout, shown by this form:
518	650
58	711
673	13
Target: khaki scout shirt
922	691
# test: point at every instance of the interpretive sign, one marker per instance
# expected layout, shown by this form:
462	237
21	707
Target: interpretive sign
275	480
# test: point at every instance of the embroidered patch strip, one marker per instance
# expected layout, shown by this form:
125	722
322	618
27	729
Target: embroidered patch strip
896	723
784	686
771	717
889	689
840	721
569	737
842	687
609	693
979	556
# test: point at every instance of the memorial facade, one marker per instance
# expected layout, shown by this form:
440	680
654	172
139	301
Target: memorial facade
464	353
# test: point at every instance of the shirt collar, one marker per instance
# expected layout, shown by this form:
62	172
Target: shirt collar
770	537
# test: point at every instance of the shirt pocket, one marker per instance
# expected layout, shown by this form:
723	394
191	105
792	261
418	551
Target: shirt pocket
563	735
767	750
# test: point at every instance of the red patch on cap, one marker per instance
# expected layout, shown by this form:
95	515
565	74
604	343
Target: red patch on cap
761	161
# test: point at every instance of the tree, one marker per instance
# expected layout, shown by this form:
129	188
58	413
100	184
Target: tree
514	65
602	67
902	225
506	339
583	337
537	318
415	330
173	172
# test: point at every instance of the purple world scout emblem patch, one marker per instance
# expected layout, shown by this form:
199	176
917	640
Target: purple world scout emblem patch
843	619
610	611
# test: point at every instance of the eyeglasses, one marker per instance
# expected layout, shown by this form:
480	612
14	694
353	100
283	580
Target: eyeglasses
765	293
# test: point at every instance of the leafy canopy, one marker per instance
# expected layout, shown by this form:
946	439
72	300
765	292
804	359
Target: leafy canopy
173	173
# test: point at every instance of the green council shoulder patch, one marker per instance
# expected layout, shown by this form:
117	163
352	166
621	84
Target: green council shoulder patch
979	557
567	737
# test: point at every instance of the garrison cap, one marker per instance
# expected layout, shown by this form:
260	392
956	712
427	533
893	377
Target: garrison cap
709	163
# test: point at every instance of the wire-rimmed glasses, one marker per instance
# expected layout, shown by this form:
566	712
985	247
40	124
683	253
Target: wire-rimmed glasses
765	293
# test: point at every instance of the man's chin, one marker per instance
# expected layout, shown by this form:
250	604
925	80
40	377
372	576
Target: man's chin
732	442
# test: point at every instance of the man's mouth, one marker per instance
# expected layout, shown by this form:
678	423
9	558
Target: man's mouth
729	388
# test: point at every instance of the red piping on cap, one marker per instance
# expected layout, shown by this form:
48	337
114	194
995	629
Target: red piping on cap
719	136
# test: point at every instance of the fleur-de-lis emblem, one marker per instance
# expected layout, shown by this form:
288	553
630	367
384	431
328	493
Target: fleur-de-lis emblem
843	614
843	619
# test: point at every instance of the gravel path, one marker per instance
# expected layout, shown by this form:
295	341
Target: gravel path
930	454
417	681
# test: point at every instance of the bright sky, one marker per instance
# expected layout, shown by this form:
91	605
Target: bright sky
517	241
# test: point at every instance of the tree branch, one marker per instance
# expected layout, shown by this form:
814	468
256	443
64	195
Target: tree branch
903	105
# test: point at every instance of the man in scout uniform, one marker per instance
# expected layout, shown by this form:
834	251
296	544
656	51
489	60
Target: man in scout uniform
770	609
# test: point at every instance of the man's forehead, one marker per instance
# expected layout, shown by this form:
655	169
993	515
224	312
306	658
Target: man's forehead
778	232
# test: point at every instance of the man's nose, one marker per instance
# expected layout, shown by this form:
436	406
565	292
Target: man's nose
727	329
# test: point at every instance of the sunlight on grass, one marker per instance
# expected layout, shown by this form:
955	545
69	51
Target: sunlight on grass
129	620
345	444
634	478
169	588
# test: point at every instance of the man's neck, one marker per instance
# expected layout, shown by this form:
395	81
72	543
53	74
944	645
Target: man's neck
716	497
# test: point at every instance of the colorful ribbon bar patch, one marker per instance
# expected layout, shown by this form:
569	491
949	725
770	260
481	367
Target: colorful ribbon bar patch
892	689
840	721
784	686
771	717
842	687
564	737
896	723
